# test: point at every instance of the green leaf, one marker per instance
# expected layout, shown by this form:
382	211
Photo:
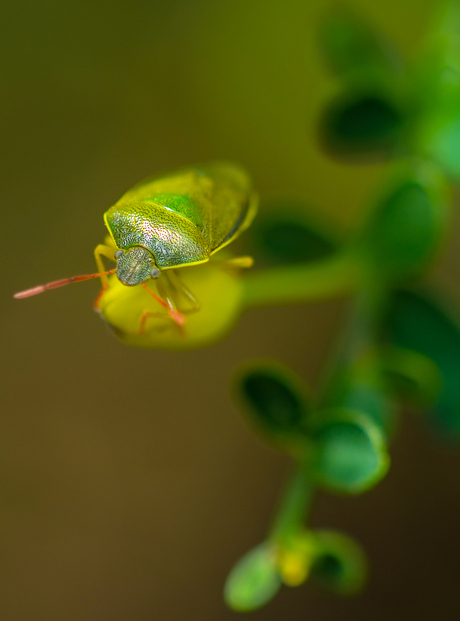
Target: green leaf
361	388
350	452
437	83
364	397
254	580
284	233
276	401
418	323
351	46
362	122
340	564
412	376
440	137
407	226
369	116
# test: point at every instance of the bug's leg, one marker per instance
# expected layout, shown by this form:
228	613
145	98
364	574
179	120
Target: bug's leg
147	314
97	301
166	301
237	262
164	289
100	251
180	287
108	241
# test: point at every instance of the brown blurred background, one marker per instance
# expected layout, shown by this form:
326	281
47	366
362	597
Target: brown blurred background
129	484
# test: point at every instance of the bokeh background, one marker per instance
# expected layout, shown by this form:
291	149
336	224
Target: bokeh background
129	483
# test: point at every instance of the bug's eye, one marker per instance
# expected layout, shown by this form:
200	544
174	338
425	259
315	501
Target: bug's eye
155	272
118	254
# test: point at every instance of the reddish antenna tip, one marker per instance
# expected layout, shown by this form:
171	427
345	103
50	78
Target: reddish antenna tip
27	293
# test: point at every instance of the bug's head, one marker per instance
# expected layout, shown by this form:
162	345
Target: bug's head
135	265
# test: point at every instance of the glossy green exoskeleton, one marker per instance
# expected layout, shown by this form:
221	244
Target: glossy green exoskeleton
174	220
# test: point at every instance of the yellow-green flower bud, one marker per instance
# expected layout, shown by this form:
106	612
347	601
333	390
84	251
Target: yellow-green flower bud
139	319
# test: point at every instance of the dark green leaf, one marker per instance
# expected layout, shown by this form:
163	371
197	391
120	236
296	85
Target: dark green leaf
283	233
362	123
417	323
276	401
340	564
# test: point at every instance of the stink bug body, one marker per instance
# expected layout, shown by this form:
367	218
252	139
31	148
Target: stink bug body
171	221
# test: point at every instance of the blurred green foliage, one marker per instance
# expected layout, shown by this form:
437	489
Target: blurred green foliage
420	324
119	58
399	346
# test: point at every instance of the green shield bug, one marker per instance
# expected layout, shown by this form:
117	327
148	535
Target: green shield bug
170	221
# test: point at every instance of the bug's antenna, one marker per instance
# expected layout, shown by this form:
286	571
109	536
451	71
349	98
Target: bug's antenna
27	293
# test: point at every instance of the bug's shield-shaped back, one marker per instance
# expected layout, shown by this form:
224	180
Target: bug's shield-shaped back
185	216
172	239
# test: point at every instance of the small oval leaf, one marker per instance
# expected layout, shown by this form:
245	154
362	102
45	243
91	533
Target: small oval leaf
412	376
276	400
406	228
340	564
285	234
361	123
441	139
254	580
362	388
351	454
418	323
437	87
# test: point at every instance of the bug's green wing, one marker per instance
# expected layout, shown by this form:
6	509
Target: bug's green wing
183	217
216	197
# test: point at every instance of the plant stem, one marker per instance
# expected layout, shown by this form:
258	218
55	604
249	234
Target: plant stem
360	336
295	503
335	277
358	342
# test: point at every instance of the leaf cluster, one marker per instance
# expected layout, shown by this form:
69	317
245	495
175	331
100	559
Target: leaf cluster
400	346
